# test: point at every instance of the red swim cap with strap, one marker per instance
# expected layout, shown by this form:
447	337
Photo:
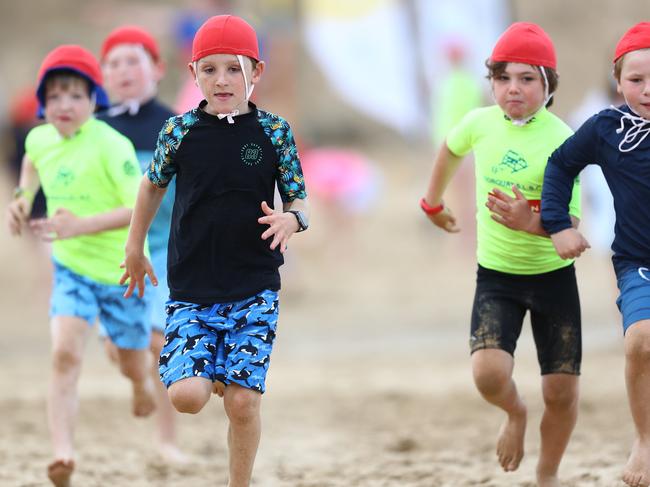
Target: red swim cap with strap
637	37
225	34
131	34
526	43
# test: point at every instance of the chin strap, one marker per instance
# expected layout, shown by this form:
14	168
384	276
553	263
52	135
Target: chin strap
640	128
547	97
249	92
130	106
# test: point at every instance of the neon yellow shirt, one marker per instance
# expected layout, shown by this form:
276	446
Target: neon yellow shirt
505	155
92	172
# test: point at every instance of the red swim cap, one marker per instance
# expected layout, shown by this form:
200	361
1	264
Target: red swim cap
225	34
637	37
131	34
73	58
526	43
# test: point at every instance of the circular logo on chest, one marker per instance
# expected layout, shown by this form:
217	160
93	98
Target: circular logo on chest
251	154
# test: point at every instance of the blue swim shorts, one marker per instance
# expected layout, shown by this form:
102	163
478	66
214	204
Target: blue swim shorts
634	298
226	342
125	320
157	296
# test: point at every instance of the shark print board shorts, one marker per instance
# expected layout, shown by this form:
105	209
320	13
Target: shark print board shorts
125	321
226	342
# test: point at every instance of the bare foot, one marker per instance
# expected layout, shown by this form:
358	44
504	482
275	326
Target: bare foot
547	480
170	453
60	471
637	470
143	398
218	388
510	443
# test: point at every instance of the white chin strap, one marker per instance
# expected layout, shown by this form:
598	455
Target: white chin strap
249	91
640	128
547	96
130	106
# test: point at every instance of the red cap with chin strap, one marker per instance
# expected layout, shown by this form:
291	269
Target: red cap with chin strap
637	37
225	34
131	34
526	43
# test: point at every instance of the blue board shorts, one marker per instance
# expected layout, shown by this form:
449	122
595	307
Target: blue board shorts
634	299
225	342
157	296
125	320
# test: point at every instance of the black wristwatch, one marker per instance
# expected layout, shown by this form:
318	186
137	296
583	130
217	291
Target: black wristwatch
303	223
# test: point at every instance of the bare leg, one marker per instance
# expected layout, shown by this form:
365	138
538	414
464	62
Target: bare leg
165	412
492	369
136	365
637	371
560	413
68	340
190	395
243	409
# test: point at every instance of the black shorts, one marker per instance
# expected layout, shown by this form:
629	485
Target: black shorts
501	302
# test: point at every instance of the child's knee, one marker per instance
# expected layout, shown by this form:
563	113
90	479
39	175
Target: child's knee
188	396
135	364
637	345
242	405
491	380
66	359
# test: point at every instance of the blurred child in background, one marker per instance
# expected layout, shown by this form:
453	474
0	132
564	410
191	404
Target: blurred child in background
132	69
90	175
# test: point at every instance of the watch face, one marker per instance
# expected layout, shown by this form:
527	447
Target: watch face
302	222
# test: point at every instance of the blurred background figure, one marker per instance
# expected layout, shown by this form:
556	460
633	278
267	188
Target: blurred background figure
457	92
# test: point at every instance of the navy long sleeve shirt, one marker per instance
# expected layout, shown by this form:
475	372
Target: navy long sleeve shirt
627	175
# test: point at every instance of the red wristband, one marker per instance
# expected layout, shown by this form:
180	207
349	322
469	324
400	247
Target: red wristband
431	210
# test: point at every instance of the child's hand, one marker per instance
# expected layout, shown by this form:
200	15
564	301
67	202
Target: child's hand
514	213
136	266
281	226
18	215
445	220
63	224
569	243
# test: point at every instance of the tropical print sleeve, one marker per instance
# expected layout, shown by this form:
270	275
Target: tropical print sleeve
291	182
163	166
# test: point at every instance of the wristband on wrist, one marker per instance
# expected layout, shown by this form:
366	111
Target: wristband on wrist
431	210
23	192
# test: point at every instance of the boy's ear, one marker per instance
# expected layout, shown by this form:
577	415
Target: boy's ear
257	72
192	71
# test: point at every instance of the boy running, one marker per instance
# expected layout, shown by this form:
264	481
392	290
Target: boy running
89	174
132	70
617	140
517	272
227	156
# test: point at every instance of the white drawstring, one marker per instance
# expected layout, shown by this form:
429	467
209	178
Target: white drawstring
640	126
131	106
228	116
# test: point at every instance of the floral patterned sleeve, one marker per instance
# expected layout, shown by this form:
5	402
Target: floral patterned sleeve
163	166
291	182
